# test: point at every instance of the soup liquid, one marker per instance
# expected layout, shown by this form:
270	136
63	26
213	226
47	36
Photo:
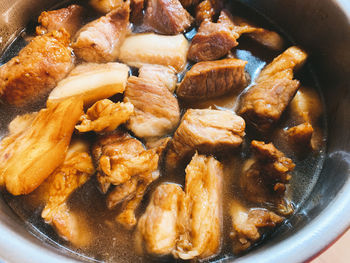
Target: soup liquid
112	243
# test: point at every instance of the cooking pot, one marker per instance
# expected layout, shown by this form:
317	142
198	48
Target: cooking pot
321	26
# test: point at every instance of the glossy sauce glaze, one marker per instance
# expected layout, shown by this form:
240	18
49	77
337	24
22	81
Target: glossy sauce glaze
111	241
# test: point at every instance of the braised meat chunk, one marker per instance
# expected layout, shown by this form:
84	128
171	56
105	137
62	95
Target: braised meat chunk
105	116
105	6
158	227
213	41
212	79
204	12
206	131
306	106
185	224
264	180
127	217
264	103
91	82
169	51
36	70
100	40
202	215
267	38
40	148
240	26
69	18
119	157
156	109
167	17
123	161
57	188
301	134
160	74
247	225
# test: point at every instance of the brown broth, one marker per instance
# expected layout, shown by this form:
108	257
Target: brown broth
112	242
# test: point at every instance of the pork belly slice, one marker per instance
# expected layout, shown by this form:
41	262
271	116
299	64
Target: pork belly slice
202	217
248	225
167	17
158	228
213	41
206	131
160	74
263	104
70	18
264	178
58	187
105	116
187	224
37	69
91	82
100	40
40	148
210	79
169	51
157	111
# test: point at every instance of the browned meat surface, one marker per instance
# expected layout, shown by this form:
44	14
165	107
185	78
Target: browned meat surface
247	225
300	135
306	106
100	40
212	79
158	228
58	187
167	17
185	224
200	236
105	6
240	26
36	70
206	131
267	38
123	161
264	103
156	109
264	180
204	12
136	7
127	217
189	3
105	116
40	148
213	41
119	157
69	18
159	74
